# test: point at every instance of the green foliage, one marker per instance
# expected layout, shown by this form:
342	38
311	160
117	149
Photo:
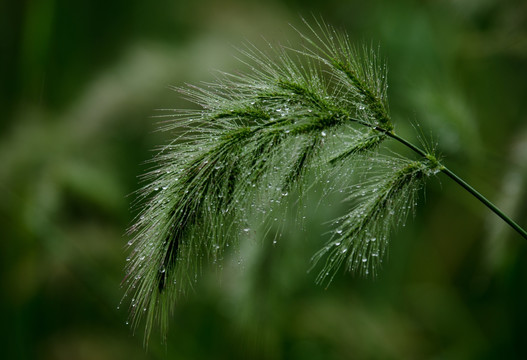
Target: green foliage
320	109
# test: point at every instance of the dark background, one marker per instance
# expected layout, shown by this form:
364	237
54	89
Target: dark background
79	83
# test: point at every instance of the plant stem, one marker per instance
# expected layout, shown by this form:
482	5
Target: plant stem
458	180
485	201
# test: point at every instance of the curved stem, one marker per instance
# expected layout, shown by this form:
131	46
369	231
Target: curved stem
403	141
458	180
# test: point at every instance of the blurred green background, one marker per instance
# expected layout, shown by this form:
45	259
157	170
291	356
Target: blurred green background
79	83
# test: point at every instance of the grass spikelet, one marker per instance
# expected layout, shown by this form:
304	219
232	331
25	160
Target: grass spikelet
382	201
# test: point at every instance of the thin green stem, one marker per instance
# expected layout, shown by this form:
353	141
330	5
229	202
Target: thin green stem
454	177
485	201
403	141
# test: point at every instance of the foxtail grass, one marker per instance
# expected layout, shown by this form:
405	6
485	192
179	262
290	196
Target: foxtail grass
321	108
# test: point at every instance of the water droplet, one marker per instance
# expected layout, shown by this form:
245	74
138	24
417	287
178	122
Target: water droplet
323	133
246	229
339	231
364	260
